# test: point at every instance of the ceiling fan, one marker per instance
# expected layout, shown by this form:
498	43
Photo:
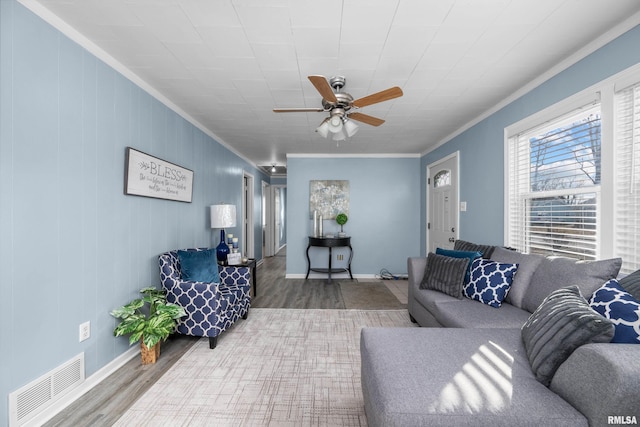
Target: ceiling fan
341	107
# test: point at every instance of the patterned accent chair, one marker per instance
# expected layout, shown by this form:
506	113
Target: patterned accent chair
211	307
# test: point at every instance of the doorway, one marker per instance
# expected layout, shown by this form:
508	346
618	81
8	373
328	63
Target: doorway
273	210
248	237
442	203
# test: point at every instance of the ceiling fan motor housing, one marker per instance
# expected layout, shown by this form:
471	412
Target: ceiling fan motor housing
344	102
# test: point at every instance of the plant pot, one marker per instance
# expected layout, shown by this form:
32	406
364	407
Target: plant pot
149	355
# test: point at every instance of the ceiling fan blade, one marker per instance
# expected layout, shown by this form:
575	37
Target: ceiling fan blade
298	110
322	86
385	95
364	118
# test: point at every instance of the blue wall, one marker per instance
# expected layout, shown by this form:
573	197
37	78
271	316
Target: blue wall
383	212
73	246
482	146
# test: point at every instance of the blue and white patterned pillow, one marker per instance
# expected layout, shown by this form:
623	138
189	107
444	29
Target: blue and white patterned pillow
490	281
615	303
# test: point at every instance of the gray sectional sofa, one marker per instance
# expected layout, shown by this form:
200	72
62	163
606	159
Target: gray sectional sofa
473	364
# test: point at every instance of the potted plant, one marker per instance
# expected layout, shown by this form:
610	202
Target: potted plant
342	219
149	319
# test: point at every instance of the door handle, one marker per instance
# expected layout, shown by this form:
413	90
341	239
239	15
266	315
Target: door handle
453	229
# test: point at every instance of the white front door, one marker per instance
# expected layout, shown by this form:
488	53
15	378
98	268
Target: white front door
442	203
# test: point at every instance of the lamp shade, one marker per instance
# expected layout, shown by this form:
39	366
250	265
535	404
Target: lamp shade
223	216
350	128
339	136
335	124
323	129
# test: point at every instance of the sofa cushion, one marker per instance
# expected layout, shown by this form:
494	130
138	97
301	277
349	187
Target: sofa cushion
430	299
461	254
557	272
490	281
446	377
601	380
631	284
445	274
618	305
563	322
199	266
468	313
462	245
527	264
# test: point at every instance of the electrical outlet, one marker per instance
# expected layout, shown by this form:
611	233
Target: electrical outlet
340	257
85	331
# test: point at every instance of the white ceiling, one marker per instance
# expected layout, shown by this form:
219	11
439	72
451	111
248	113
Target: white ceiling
226	64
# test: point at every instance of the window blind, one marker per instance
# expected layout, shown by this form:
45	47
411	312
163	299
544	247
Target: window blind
554	186
627	178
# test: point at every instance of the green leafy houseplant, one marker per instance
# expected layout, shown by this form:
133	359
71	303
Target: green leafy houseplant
151	325
341	219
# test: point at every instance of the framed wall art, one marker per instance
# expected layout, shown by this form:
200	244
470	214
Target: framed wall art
148	176
328	198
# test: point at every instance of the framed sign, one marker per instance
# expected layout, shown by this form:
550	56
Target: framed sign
148	176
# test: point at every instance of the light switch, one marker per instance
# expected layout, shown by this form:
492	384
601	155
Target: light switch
463	206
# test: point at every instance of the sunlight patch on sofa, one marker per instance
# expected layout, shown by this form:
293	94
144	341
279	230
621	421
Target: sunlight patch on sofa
482	384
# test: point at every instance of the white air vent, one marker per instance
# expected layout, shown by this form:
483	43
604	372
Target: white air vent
36	396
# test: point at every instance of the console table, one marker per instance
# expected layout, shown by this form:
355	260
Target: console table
330	242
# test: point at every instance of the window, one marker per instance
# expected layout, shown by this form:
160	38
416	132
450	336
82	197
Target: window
573	175
627	177
442	179
554	182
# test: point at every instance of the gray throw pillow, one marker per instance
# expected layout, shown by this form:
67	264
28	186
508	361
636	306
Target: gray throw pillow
485	250
445	274
557	272
562	323
527	265
631	284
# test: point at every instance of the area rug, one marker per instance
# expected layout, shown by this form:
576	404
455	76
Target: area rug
369	296
280	367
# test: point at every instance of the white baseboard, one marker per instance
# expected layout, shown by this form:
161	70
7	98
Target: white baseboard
334	276
83	388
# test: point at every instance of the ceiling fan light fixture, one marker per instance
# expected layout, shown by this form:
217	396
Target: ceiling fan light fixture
323	129
335	123
339	136
350	127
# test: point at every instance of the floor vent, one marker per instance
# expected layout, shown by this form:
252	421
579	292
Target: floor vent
33	398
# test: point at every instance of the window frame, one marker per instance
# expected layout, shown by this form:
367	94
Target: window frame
604	93
533	237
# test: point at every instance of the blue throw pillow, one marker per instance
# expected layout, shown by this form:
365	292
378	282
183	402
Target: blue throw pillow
461	254
199	266
615	303
490	281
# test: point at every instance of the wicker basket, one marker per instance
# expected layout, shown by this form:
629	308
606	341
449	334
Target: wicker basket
149	355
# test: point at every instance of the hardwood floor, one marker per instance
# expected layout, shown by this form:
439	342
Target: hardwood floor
105	403
274	291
